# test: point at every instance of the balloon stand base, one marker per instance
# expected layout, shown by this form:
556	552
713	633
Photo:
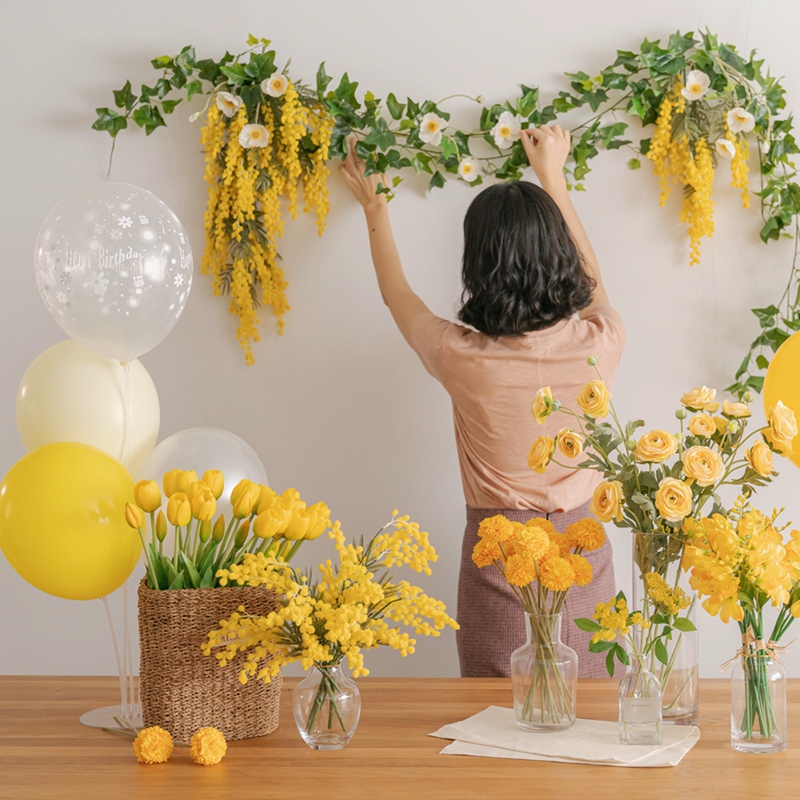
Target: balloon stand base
110	717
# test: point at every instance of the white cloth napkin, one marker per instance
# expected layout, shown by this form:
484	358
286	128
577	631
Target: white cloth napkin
495	734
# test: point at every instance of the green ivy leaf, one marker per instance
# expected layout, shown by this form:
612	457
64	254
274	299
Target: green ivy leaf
162	62
235	74
396	108
124	97
168	106
110	121
437	181
323	79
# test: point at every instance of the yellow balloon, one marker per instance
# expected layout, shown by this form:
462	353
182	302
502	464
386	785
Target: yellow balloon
62	521
782	382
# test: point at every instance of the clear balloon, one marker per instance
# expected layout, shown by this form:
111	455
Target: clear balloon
201	449
114	268
70	394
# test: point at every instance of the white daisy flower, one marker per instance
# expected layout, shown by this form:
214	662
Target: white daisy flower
99	283
468	169
275	85
506	132
254	136
431	127
740	121
697	84
725	148
228	103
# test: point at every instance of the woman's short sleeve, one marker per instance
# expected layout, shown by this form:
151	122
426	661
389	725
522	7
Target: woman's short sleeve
427	339
607	329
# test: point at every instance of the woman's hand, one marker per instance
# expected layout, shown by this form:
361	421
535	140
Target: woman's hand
547	150
363	187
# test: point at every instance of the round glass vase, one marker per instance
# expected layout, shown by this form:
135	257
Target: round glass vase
327	707
640	714
758	705
544	677
662	553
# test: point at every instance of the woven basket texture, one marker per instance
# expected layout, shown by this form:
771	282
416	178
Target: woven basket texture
183	690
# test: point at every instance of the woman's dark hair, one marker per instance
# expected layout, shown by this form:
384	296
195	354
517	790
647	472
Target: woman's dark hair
521	270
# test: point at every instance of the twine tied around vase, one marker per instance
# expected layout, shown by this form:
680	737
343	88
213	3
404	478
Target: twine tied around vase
771	649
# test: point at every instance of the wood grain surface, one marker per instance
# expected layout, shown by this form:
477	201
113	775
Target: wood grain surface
46	753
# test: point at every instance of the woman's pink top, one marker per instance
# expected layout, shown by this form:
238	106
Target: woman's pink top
492	383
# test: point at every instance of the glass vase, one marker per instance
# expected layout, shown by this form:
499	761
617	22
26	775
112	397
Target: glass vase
640	713
758	704
662	553
327	707
544	677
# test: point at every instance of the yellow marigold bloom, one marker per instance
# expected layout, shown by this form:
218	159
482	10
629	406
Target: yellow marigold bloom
556	574
702	425
147	496
531	542
587	534
759	456
656	446
543	404
701	399
207	747
581	567
673	499
153	745
496	529
569	442
520	571
606	502
541	522
485	553
134	516
179	510
594	398
540	454
702	464
215	481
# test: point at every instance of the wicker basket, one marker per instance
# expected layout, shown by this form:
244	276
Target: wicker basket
182	689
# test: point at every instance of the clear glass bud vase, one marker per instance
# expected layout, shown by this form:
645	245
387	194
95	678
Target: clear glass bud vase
758	705
544	677
640	714
327	707
679	676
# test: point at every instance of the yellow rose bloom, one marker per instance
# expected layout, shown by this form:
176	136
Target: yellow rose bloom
593	399
703	465
735	409
147	496
540	453
656	446
782	428
542	405
703	425
179	510
153	745
207	747
606	503
569	442
759	456
673	499
701	399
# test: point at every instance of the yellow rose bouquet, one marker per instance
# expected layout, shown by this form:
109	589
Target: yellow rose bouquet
741	563
654	482
540	565
262	522
326	621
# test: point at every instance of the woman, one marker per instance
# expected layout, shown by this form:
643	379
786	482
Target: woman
534	296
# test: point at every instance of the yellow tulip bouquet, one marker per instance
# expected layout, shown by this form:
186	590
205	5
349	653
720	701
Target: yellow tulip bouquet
262	522
322	622
740	563
654	483
540	565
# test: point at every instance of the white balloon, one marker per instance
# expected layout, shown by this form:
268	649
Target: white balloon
114	268
69	394
201	449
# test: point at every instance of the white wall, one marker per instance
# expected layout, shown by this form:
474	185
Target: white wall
339	406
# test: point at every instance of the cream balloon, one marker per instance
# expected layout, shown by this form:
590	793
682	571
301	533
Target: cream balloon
70	394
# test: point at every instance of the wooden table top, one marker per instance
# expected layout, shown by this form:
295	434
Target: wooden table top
46	753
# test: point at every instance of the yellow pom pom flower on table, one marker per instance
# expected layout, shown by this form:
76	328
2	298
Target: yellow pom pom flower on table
207	747
153	745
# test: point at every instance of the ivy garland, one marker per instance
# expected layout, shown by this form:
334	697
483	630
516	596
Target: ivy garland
704	99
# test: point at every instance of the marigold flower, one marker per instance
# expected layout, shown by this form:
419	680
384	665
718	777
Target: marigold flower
520	571
531	542
485	553
581	567
496	529
153	745
556	574
587	533
207	747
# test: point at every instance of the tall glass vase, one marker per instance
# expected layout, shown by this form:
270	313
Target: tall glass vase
662	554
758	704
544	677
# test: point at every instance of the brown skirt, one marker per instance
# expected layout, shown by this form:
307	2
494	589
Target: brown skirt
491	619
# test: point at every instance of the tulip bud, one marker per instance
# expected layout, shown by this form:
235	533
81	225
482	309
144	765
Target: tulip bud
241	534
179	510
319	520
283	514
243	507
298	524
134	516
170	482
241	488
219	529
266	525
204	505
194	488
147	496
215	481
681	413
161	526
266	497
291	497
185	480
205	530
